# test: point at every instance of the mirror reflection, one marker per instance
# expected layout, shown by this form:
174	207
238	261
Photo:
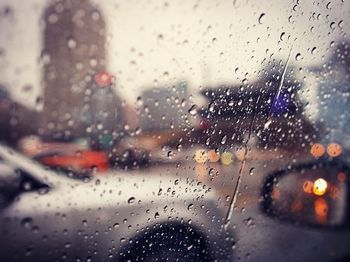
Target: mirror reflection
313	194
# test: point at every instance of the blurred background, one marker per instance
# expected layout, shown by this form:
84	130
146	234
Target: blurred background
210	90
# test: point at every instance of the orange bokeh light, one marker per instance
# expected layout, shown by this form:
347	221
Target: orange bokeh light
213	156
334	150
321	207
308	186
317	150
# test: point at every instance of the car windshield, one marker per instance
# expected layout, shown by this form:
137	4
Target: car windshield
192	130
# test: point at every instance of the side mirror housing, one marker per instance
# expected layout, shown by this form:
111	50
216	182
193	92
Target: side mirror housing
310	194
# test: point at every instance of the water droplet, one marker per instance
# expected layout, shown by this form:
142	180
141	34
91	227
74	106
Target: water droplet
249	222
170	154
313	50
43	190
262	18
27	223
224	139
139	101
131	200
138	131
211	107
53	18
290	19
95	15
39	103
190	247
160	37
71	43
267	124
190	206
156	215
298	57
193	110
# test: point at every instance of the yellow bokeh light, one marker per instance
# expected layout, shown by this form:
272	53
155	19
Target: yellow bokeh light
201	156
320	187
226	158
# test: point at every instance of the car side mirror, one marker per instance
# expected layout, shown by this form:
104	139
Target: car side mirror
10	182
311	194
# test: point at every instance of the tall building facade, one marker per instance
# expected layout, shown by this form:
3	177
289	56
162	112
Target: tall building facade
74	52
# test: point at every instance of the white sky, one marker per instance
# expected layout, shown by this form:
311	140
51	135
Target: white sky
202	42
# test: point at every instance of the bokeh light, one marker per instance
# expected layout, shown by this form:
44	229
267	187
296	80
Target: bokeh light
334	150
226	158
103	79
201	156
319	187
240	154
308	186
321	209
317	150
213	156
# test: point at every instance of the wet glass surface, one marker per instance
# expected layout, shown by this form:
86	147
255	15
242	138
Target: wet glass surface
152	130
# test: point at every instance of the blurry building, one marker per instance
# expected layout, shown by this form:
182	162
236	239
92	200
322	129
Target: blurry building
270	112
334	95
16	120
163	109
79	99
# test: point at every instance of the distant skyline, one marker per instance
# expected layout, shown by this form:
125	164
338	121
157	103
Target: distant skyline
157	43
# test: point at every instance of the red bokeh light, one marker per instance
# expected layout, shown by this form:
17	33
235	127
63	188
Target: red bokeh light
103	79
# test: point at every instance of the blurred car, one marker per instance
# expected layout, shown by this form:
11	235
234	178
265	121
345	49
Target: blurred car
47	217
79	161
75	158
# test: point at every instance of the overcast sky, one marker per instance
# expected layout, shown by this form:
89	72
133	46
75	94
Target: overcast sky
153	43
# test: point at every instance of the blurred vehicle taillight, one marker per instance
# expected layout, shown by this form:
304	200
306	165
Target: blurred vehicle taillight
81	160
